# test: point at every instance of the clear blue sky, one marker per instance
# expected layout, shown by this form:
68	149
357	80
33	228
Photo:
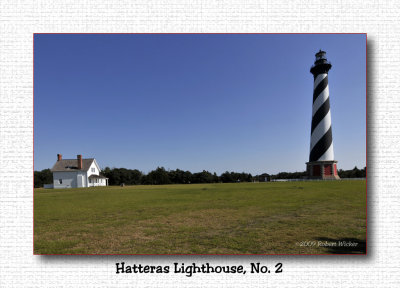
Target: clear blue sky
218	102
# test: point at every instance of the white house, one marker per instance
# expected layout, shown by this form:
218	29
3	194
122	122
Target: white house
75	173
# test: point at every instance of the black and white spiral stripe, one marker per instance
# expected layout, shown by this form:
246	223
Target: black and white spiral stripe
321	147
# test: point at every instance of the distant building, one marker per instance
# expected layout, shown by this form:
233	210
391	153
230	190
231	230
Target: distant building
76	173
264	178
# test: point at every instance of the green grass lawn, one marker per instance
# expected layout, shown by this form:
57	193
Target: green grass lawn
240	218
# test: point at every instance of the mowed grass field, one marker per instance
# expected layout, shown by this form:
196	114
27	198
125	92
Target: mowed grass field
239	218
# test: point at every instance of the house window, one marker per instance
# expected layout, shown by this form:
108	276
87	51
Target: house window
93	170
59	181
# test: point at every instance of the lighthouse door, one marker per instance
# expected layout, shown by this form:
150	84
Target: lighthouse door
316	170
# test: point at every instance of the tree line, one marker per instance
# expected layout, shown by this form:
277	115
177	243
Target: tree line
159	176
42	177
353	173
117	176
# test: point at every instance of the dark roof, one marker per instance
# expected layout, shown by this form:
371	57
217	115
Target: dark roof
93	176
265	175
66	165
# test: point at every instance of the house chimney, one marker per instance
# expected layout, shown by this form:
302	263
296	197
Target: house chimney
79	162
59	157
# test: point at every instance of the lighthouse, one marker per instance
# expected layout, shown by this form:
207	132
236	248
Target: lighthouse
321	163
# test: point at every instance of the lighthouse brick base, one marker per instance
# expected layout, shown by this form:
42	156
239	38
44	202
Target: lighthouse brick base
324	170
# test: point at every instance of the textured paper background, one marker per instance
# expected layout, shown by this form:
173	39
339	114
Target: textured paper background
19	19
